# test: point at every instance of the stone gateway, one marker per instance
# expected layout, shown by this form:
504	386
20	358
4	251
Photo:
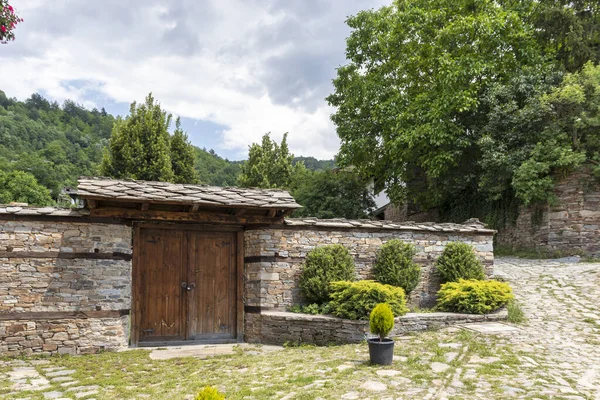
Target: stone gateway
152	263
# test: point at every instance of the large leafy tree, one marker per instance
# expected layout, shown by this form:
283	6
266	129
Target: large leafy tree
466	103
21	187
332	194
269	165
141	148
409	96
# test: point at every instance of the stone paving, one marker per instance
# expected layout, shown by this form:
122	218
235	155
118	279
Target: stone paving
555	354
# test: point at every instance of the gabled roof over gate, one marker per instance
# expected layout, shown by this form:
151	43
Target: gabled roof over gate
164	200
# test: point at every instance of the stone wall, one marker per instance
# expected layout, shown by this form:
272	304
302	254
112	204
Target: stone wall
64	286
570	226
274	255
275	327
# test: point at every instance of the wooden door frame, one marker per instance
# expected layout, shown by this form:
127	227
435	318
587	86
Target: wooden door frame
238	230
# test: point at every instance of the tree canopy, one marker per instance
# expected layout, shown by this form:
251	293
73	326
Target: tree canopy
269	165
8	21
140	147
21	187
468	101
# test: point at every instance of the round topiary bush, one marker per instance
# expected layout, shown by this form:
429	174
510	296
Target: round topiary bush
322	266
395	266
458	261
356	300
473	296
381	320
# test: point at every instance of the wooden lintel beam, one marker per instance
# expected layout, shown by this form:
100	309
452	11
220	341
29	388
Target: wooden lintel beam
218	218
240	212
145	206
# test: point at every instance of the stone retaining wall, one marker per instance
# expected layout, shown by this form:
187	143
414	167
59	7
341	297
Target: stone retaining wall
63	336
570	226
274	256
52	274
275	327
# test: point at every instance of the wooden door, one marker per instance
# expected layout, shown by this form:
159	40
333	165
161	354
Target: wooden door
161	263
212	302
186	285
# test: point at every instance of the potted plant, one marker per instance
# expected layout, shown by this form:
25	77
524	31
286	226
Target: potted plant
381	322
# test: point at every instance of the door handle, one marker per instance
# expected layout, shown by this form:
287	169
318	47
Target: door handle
188	286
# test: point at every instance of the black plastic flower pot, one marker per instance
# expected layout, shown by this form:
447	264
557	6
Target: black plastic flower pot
381	352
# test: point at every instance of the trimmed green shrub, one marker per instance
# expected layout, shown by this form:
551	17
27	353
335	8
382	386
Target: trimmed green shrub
209	393
381	320
458	261
313	308
395	266
322	266
356	300
473	296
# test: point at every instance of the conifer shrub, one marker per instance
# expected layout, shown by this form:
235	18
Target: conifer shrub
322	266
356	300
395	266
458	261
473	296
381	320
209	393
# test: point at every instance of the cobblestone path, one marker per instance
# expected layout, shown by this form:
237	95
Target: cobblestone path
555	354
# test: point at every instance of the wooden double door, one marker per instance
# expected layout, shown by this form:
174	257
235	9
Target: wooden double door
186	284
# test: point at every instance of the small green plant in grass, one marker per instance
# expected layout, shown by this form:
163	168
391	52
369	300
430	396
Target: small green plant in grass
209	393
356	300
473	296
381	320
324	265
458	261
395	266
515	313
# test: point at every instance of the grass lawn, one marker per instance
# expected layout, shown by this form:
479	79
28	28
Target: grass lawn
303	372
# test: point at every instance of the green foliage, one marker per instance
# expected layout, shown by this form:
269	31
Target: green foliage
214	170
312	164
322	266
8	21
515	313
395	266
141	148
182	156
474	108
473	296
269	165
328	194
313	309
356	300
55	144
381	320
209	393
458	261
22	187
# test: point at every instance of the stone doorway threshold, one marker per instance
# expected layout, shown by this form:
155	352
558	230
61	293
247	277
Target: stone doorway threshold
491	328
206	350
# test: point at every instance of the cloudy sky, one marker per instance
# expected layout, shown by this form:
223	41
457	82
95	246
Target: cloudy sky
232	69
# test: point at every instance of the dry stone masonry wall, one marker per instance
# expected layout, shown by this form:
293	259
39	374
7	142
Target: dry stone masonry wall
570	226
65	287
274	256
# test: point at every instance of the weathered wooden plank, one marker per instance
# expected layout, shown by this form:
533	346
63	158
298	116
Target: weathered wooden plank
66	255
182	216
43	315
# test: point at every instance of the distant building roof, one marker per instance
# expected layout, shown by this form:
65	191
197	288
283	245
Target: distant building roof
171	193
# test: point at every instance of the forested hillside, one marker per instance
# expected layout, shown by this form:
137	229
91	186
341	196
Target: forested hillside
55	144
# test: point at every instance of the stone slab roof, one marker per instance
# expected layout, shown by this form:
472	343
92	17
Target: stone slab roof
470	226
171	193
49	211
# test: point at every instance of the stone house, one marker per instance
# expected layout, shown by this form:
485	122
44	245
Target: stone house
152	263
